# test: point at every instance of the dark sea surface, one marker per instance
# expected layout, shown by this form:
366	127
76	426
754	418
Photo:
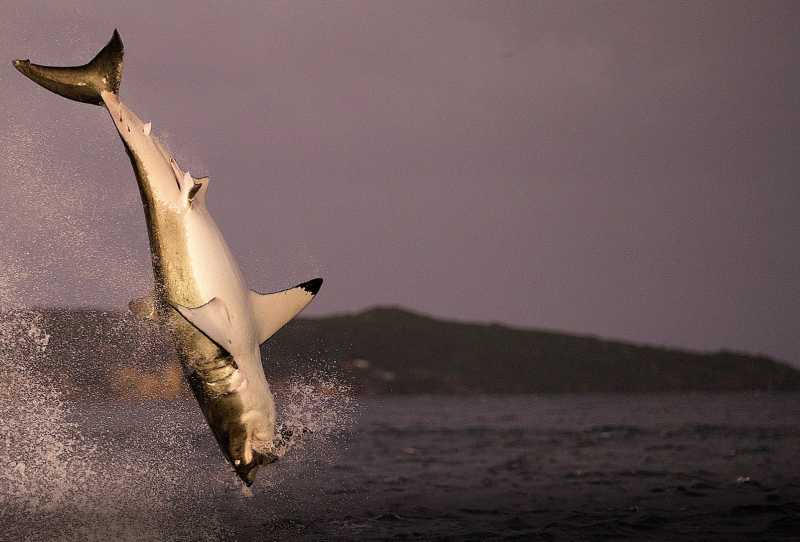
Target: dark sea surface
566	467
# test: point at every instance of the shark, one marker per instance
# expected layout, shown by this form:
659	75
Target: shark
199	294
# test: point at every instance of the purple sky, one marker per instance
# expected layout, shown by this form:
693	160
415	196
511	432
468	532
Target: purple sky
624	169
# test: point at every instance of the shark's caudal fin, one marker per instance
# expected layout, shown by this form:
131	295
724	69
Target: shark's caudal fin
272	311
81	83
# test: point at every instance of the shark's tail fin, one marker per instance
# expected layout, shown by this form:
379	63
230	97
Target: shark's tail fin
81	83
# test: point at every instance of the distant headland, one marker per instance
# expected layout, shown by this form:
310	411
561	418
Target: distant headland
392	350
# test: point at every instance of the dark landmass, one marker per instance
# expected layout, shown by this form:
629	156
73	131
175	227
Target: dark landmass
391	350
408	352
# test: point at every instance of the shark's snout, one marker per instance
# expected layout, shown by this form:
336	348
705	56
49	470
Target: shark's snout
242	453
247	472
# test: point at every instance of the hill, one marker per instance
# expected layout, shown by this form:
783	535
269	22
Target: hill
394	350
391	350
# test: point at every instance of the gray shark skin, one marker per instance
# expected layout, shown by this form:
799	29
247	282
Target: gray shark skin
199	293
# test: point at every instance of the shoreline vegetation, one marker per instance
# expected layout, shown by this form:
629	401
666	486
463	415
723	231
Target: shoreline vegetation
389	350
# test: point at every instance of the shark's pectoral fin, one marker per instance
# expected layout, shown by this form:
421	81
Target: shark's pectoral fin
211	319
272	311
144	307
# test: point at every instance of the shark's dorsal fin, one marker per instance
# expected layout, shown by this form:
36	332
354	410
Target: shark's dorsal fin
197	193
272	311
185	182
212	319
193	191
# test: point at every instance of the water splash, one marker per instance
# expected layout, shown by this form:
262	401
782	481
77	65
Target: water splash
42	464
58	483
95	468
315	408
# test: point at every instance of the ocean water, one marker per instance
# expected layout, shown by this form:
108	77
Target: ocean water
567	467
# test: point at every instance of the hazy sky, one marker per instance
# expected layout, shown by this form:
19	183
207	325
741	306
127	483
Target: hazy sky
624	169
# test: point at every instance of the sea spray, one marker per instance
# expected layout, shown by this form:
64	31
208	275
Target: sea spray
56	483
96	467
315	408
43	466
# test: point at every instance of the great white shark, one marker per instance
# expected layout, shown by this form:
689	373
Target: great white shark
199	294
